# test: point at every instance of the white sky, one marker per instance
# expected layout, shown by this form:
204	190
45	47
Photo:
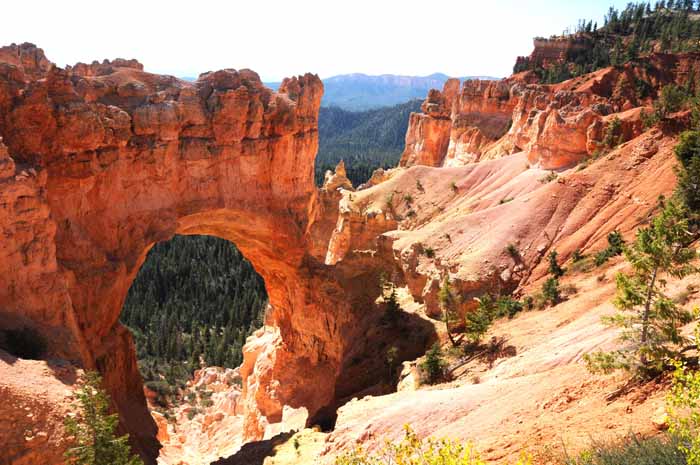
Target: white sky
284	38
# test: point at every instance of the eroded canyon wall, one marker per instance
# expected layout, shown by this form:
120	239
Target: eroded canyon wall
555	125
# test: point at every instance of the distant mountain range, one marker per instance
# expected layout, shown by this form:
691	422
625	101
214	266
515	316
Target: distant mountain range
358	92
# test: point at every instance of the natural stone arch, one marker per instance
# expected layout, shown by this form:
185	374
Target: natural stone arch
105	160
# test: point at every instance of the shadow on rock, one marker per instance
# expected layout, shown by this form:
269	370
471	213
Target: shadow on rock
254	453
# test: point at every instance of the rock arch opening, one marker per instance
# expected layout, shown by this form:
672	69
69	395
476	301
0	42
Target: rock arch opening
192	304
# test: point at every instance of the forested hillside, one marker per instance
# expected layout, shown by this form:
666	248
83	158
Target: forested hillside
640	28
365	140
195	297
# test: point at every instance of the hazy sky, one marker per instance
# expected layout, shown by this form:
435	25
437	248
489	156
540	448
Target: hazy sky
284	38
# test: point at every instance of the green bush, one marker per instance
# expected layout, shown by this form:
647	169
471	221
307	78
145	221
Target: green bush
613	133
688	153
434	365
550	291
614	248
683	403
631	451
512	250
415	451
478	321
554	268
508	306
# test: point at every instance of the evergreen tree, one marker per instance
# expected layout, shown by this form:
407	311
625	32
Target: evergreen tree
393	309
550	291
434	364
479	320
649	319
688	153
92	432
554	268
448	305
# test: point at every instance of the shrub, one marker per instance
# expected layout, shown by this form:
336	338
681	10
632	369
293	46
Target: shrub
434	365
614	248
408	198
671	100
577	256
429	252
539	301
512	250
419	186
552	176
414	451
24	343
478	321
508	306
392	307
550	291
584	265
389	201
528	302
613	133
648	119
683	403
631	451
554	268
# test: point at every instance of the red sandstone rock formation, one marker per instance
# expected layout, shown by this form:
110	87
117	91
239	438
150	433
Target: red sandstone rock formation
104	160
556	125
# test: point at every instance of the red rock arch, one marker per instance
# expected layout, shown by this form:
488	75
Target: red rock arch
101	161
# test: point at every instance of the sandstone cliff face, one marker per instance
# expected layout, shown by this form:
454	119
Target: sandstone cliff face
555	125
104	160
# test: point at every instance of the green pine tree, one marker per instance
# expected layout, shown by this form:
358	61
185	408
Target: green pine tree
478	322
92	432
649	319
550	291
554	268
434	364
448	305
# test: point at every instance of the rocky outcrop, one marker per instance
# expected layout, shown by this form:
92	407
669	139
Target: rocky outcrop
104	160
548	52
555	125
207	423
